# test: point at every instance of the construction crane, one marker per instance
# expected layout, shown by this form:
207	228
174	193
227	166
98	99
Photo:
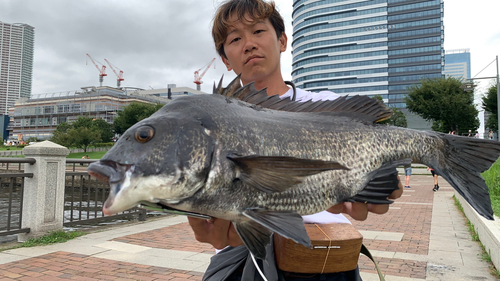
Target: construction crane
197	76
102	71
118	75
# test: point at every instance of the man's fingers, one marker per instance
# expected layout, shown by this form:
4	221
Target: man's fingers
336	209
397	193
378	209
358	211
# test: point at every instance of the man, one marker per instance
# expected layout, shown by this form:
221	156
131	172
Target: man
249	36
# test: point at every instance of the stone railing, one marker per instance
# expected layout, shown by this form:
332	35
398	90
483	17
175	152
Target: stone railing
7	153
43	198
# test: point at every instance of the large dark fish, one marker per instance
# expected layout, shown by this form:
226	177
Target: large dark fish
262	162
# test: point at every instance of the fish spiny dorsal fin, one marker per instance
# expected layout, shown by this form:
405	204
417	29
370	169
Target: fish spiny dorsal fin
219	89
358	107
232	88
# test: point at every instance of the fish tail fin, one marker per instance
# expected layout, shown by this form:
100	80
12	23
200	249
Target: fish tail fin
462	162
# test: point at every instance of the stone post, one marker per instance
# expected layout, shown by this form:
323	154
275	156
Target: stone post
43	201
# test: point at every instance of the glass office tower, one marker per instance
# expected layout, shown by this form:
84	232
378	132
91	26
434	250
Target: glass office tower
457	63
367	47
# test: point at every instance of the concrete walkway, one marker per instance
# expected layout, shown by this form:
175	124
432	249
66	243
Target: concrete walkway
422	237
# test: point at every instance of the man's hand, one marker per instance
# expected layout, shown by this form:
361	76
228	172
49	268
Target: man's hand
359	211
217	232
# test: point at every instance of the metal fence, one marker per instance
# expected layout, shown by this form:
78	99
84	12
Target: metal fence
11	195
85	196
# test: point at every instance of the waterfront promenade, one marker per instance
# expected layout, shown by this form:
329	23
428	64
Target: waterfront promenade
422	237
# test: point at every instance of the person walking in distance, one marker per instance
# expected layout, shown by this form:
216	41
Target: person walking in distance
407	175
435	175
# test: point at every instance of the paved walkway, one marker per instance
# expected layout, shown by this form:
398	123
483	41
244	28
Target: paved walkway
422	237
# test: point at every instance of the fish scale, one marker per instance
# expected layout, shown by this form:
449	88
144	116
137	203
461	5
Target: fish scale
263	168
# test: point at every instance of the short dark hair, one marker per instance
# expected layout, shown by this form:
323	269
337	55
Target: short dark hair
255	9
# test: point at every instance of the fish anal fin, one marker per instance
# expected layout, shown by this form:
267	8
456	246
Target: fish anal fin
383	182
278	173
255	236
287	224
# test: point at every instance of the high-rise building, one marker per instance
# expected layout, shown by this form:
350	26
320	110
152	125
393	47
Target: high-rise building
457	63
367	47
16	63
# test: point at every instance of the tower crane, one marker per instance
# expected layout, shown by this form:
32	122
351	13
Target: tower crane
197	76
102	71
118	75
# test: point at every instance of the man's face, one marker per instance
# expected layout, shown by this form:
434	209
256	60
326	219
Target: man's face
253	49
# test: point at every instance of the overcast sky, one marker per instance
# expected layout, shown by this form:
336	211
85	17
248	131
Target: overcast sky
160	42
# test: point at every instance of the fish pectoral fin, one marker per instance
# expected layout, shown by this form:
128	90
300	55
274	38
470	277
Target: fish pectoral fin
255	236
384	181
287	224
278	173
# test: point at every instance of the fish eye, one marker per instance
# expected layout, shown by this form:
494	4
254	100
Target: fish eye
144	134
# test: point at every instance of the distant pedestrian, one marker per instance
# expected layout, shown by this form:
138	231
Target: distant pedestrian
490	135
407	175
470	134
435	175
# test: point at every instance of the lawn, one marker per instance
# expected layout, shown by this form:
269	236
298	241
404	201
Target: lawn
492	178
92	155
12	148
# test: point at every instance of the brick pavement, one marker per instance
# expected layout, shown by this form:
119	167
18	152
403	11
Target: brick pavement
407	258
69	266
177	237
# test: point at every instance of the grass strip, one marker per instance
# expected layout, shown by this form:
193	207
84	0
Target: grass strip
59	236
492	179
485	256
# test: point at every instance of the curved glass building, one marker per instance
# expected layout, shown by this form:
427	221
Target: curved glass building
367	47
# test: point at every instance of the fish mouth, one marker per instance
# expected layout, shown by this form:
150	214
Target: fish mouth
116	176
108	172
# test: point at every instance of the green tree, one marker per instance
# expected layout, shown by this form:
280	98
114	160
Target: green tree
105	129
443	101
83	137
398	118
132	114
83	132
83	121
63	127
60	135
490	105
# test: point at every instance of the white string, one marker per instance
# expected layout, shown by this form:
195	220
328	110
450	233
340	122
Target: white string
258	268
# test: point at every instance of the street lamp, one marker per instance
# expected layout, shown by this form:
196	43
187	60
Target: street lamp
469	87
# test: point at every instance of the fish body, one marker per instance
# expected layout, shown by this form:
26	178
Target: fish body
262	162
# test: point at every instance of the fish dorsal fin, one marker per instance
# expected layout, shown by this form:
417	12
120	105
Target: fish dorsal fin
359	107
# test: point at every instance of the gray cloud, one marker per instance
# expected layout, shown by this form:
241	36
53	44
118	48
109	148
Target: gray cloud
158	42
